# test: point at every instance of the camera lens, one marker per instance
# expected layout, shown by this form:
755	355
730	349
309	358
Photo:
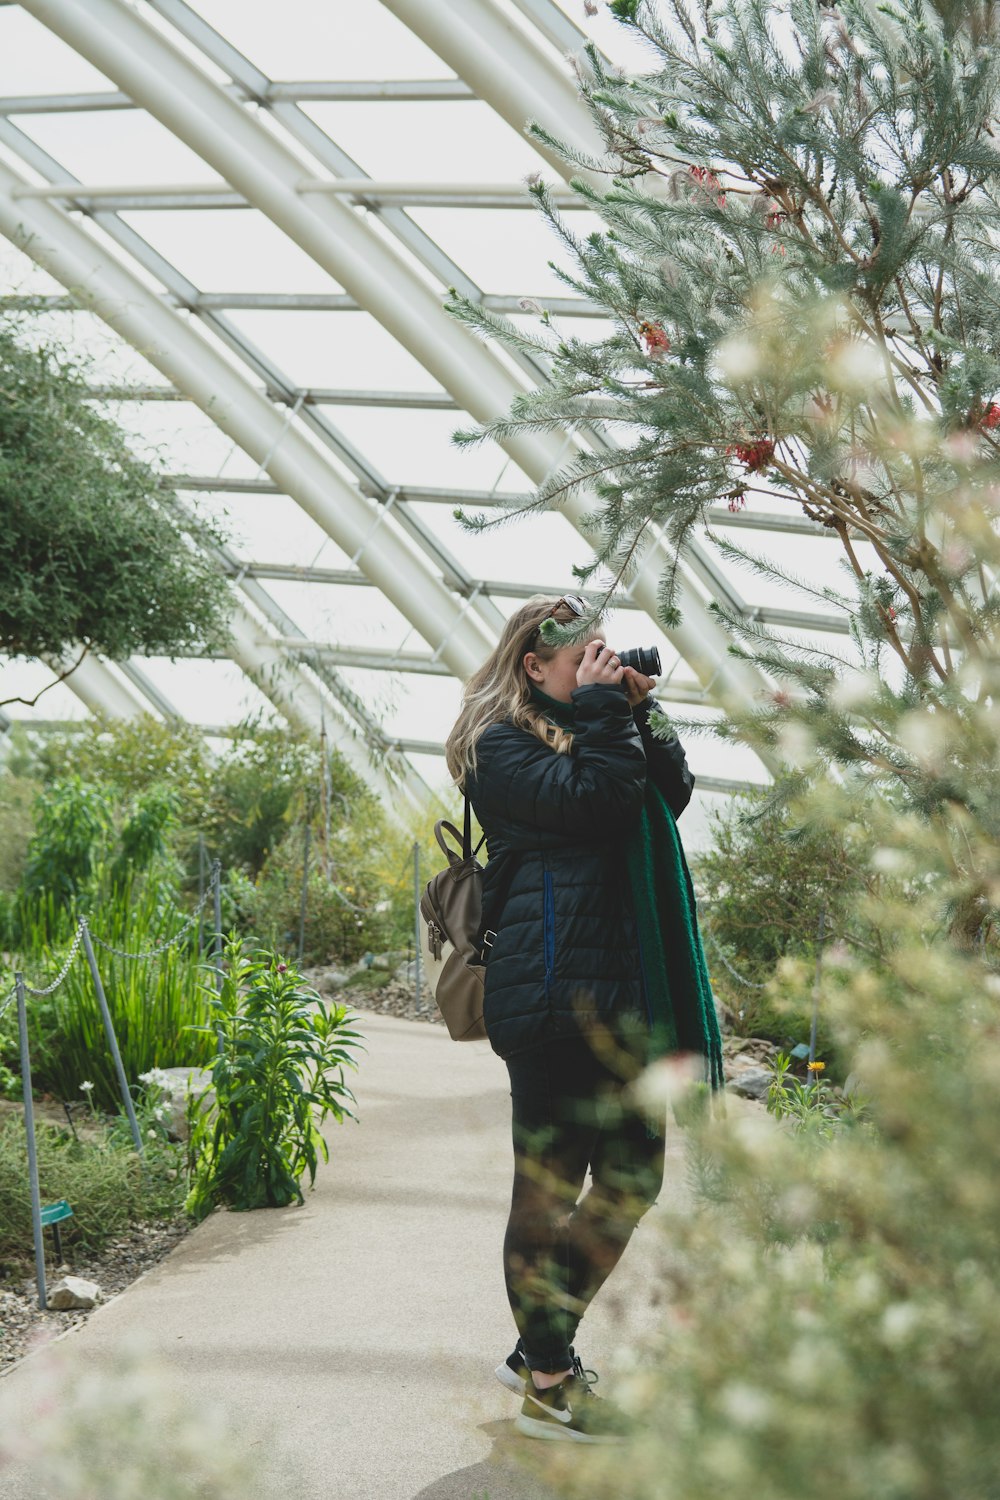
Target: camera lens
644	659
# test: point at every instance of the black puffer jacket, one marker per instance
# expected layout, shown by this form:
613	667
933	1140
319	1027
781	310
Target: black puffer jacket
565	944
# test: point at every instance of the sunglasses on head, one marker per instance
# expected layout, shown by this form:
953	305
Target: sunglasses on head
572	602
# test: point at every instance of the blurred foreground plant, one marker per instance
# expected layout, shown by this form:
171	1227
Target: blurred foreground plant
278	1044
127	1430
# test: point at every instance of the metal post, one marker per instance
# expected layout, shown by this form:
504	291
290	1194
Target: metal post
305	891
217	909
819	965
109	1032
29	1127
416	922
201	894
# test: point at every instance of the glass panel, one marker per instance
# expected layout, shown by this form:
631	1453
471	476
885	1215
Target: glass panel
208	692
26	679
318	41
338	350
428	141
104	148
505	250
33	60
231	250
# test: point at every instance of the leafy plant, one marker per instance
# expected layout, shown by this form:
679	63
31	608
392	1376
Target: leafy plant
277	1042
91	550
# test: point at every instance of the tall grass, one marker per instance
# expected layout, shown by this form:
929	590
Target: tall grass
152	1002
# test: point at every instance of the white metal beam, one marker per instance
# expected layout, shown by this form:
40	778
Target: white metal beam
96	685
361	190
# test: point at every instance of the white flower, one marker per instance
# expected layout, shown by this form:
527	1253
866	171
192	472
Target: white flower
159	1112
151	1134
85	1088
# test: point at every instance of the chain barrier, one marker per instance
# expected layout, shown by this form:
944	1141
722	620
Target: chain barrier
49	988
170	942
118	952
750	984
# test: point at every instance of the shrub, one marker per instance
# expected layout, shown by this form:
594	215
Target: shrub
103	1181
279	1042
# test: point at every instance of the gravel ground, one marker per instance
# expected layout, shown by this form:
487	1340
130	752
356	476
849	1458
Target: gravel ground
23	1326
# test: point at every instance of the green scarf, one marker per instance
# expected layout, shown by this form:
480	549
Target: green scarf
682	1010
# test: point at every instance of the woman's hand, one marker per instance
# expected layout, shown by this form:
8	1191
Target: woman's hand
599	664
637	685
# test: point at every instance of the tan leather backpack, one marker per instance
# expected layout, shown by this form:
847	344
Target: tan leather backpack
452	950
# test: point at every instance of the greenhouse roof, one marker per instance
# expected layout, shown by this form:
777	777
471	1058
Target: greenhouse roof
251	228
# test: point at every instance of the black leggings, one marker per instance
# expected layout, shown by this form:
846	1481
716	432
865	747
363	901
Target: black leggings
568	1115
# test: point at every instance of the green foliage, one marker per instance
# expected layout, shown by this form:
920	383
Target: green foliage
72	818
813	1105
100	1177
17	795
278	1044
153	1002
92	553
242	804
765	885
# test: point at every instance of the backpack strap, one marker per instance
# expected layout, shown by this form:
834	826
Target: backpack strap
467	849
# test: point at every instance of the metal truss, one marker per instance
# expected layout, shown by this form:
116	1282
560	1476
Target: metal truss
257	170
183	355
258	166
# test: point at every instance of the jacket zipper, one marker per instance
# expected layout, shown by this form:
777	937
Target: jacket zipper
549	928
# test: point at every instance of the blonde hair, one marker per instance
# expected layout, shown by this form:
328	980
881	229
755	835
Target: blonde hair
501	689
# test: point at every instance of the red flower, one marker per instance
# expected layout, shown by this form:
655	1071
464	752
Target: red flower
781	698
654	337
991	416
756	455
282	968
891	612
708	180
737	501
774	217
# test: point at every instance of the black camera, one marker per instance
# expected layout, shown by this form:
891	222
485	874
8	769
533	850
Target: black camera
644	659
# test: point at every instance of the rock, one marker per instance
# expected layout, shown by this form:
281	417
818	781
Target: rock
750	1083
387	960
197	1081
73	1291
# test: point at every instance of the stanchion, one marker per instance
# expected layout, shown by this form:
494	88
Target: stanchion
217	905
201	894
305	893
29	1127
109	1031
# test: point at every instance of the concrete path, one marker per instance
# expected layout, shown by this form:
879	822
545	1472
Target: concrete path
353	1340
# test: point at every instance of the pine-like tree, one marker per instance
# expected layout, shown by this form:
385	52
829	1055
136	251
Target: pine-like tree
799	264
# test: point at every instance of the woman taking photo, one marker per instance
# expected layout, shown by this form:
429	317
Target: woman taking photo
593	967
